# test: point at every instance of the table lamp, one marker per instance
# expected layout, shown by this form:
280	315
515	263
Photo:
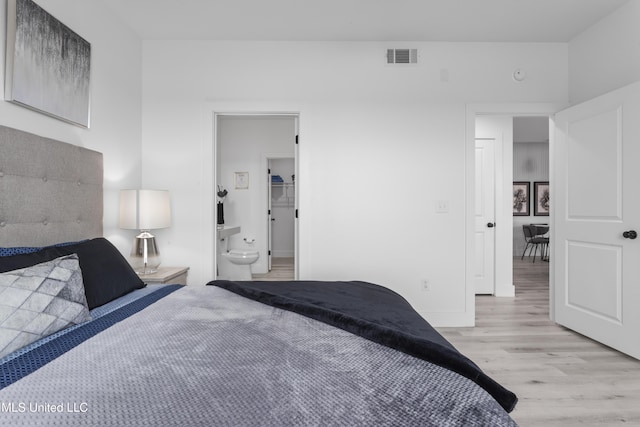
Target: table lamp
144	210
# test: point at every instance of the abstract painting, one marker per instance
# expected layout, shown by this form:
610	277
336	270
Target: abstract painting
48	65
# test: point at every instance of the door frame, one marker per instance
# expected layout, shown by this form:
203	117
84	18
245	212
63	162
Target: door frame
503	261
210	195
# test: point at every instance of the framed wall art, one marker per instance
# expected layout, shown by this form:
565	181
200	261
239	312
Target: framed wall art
541	198
48	66
521	198
242	180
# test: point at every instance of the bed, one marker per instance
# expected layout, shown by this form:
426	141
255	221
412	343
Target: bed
101	348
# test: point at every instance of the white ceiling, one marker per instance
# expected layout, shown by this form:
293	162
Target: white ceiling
363	20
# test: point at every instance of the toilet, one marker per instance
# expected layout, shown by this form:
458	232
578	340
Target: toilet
234	264
237	264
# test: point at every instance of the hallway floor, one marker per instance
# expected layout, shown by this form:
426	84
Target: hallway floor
561	378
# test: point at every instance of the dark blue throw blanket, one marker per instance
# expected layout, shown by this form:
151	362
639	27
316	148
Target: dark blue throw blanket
372	312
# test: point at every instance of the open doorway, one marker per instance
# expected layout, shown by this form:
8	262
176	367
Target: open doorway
281	183
531	225
520	157
587	142
242	144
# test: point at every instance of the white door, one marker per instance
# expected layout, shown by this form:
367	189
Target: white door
485	217
596	215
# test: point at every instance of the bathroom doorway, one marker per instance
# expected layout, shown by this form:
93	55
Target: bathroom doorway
243	143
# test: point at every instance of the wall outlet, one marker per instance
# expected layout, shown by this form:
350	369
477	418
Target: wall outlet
425	285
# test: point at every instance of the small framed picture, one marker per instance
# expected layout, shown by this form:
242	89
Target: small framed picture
242	180
521	198
541	198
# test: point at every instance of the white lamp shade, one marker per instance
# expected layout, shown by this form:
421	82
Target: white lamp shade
144	209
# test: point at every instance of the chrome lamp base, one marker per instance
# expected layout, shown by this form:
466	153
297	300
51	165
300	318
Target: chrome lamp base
145	256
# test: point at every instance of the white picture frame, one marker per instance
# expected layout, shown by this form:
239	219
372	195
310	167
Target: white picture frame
242	180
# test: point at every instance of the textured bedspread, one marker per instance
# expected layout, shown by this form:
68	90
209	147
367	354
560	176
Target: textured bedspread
373	312
206	356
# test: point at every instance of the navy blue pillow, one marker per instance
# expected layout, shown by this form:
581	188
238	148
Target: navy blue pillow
105	272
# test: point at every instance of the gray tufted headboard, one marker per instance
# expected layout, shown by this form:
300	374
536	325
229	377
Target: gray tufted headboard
50	191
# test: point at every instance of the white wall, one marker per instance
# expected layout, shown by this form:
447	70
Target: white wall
244	142
379	147
605	57
115	102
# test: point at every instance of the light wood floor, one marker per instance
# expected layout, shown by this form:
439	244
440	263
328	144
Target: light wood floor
561	378
281	269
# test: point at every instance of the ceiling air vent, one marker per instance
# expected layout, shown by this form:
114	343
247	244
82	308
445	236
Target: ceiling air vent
402	56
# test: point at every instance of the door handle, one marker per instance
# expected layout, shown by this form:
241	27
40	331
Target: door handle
631	234
491	224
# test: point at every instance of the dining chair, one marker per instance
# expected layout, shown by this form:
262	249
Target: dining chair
534	239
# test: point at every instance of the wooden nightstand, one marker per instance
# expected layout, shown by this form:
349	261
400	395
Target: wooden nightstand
171	275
